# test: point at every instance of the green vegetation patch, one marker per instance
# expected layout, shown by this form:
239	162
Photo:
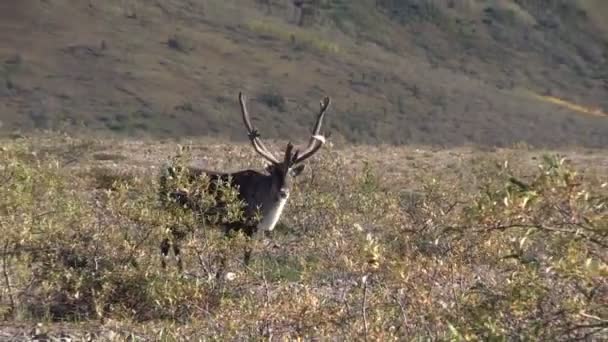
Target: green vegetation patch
298	37
494	250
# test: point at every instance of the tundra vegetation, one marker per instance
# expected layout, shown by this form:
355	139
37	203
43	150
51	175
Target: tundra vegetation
461	244
379	242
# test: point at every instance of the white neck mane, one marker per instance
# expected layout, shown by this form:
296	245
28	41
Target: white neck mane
271	215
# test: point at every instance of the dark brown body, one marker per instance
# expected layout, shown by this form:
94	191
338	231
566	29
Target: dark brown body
261	194
264	194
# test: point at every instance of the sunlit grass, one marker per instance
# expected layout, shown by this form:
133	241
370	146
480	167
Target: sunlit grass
293	35
569	105
495	249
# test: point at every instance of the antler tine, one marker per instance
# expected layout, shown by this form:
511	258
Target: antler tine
253	134
316	140
289	155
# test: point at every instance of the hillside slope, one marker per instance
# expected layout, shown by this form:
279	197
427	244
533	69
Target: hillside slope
425	72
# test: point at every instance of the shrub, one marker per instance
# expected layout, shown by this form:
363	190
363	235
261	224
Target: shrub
273	100
495	250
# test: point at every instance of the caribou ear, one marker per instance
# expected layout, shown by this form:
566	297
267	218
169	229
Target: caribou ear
297	170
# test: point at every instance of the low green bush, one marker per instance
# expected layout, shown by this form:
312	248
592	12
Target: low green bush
494	251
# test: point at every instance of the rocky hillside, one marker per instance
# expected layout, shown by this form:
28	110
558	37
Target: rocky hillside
409	71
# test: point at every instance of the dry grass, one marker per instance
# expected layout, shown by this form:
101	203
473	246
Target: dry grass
293	35
570	105
381	243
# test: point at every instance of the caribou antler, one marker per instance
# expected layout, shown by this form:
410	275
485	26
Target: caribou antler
316	140
254	135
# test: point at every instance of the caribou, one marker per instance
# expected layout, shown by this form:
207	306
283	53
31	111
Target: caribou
264	194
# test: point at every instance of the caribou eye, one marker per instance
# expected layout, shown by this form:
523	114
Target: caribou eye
296	170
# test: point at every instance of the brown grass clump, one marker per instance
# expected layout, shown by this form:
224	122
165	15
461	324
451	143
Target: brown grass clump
498	246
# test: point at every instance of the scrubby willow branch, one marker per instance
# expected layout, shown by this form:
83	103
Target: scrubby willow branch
6	179
595	328
542	227
7	278
502	227
133	250
364	308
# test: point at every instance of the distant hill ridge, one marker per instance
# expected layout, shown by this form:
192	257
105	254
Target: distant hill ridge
410	71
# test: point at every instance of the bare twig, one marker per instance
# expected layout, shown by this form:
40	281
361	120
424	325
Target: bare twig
364	308
266	291
599	326
201	261
553	229
451	207
7	279
593	317
345	302
267	323
6	179
147	234
403	312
